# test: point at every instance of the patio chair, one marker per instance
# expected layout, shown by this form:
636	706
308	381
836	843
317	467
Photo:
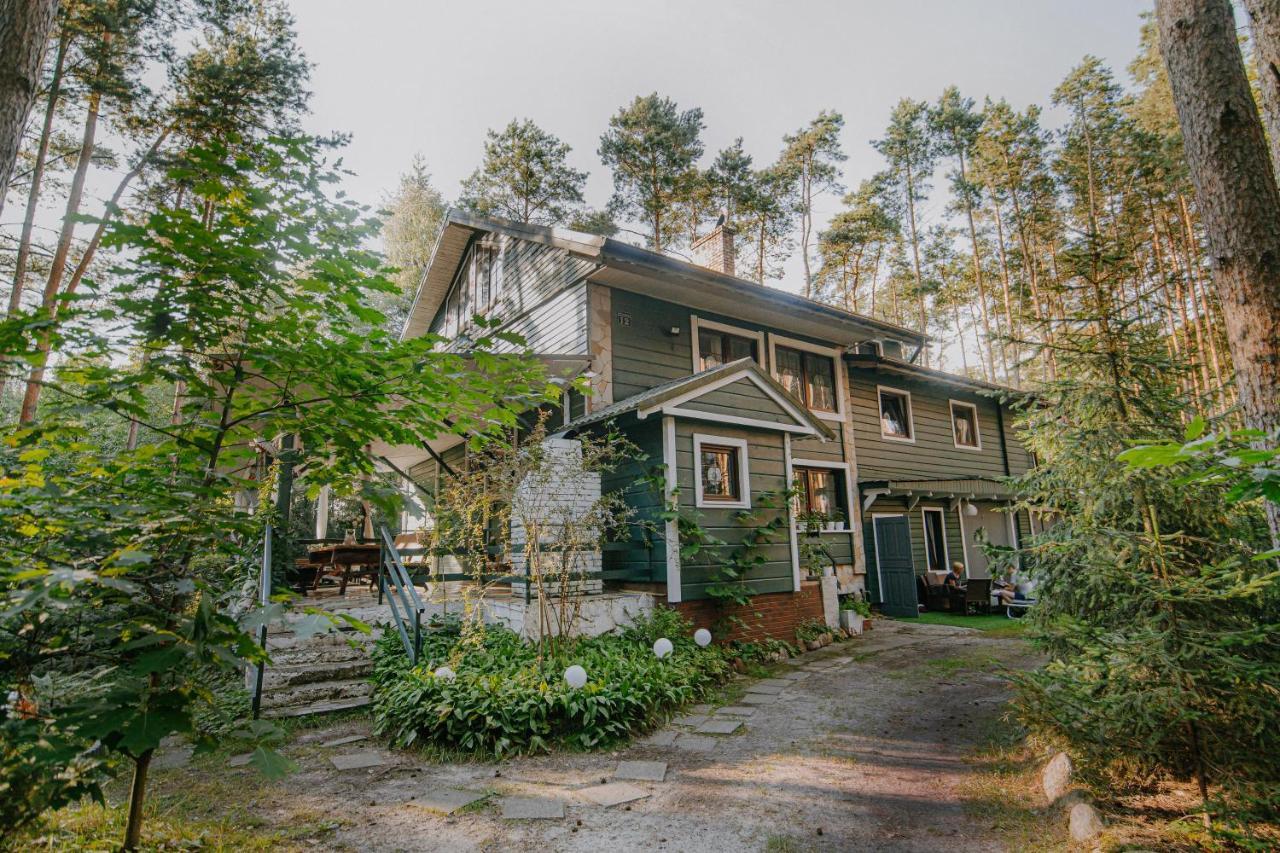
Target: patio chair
977	595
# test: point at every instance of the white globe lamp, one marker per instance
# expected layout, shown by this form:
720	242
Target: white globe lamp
576	677
445	674
702	637
970	509
663	647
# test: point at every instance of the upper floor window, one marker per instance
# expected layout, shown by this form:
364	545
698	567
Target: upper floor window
717	348
817	492
809	376
964	425
477	289
895	415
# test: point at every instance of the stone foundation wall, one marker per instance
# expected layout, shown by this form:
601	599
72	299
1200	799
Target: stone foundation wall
774	614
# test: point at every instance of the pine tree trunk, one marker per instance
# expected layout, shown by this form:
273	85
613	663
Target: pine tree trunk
24	33
37	179
1198	290
915	256
1008	301
806	229
1264	26
1238	200
49	300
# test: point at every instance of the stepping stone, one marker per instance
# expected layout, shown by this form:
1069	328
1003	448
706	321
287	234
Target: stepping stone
796	675
357	760
696	743
767	689
738	710
343	741
447	800
718	726
700	709
531	808
614	793
241	760
779	683
641	771
171	758
666	737
759	699
690	720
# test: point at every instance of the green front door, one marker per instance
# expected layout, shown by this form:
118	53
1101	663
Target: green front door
897	573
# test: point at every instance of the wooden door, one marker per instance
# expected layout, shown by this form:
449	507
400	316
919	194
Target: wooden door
897	571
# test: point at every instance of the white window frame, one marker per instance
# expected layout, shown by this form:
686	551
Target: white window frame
744	471
977	424
848	486
911	416
697	323
837	364
924	534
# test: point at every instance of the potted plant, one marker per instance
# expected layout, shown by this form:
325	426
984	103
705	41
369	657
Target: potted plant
854	613
835	521
813	522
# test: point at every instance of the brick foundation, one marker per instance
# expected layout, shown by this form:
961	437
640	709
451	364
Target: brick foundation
774	614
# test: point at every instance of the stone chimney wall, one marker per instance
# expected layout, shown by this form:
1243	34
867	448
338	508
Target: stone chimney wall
715	250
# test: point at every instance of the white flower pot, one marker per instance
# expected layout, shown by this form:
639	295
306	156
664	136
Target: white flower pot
851	621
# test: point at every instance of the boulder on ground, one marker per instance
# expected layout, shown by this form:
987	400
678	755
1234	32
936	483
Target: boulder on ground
1085	823
1056	777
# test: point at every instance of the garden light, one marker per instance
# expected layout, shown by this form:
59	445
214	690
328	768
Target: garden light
702	637
445	674
576	677
663	647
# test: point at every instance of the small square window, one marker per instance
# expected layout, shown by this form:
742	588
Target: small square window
964	425
720	473
895	415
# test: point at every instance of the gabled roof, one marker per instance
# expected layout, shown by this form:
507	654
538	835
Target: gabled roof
644	271
668	397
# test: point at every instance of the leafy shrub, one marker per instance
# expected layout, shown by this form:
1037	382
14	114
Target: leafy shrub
810	630
505	700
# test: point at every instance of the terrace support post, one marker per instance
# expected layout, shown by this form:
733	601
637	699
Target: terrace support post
284	492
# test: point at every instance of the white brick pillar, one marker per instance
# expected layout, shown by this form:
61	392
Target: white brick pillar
555	505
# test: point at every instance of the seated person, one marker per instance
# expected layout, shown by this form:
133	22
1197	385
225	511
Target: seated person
955	577
1015	590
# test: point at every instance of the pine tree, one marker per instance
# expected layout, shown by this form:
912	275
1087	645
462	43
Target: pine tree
525	176
766	212
1153	615
414	215
651	145
811	156
908	146
851	247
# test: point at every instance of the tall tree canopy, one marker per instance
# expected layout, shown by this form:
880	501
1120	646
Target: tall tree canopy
525	176
652	147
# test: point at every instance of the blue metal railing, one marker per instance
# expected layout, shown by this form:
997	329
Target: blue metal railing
264	598
402	597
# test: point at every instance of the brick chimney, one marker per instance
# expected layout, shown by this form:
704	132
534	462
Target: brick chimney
715	250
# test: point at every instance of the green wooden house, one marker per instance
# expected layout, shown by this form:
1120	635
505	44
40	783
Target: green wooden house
741	390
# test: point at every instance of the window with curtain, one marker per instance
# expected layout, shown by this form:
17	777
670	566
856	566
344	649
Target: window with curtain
809	376
819	491
717	348
895	414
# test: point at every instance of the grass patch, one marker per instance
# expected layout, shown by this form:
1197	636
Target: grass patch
1003	794
205	809
996	625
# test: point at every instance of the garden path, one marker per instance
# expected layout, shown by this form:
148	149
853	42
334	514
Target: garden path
859	746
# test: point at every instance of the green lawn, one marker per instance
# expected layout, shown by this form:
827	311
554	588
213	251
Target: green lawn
993	622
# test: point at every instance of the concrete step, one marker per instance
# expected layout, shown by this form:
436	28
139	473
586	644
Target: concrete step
317	691
319	655
283	678
323	707
328	639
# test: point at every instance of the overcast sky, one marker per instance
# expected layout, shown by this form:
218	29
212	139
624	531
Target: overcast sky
406	77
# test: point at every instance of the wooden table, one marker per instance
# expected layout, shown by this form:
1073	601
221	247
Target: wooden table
345	556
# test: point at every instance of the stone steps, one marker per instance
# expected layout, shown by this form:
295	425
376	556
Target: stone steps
294	675
309	693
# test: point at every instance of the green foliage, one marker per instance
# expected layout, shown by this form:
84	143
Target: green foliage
651	146
810	630
506	699
525	177
120	568
1158	623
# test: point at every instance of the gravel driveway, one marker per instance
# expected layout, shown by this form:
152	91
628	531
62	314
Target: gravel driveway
860	746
